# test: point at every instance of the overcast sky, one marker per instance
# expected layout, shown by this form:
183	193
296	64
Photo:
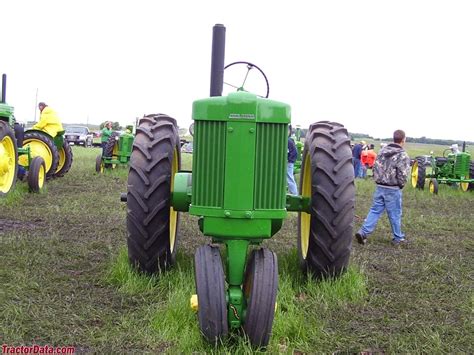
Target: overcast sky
374	66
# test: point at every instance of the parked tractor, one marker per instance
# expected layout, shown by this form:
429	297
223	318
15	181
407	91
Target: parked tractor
237	188
117	151
14	151
453	168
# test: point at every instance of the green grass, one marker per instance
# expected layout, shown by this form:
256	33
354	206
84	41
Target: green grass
66	279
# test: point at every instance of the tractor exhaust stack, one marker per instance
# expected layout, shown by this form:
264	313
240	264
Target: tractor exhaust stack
217	61
4	88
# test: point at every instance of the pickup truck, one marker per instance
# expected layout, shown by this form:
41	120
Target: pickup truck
79	135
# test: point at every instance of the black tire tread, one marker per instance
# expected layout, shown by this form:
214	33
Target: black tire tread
68	160
149	193
33	173
210	287
110	144
34	135
5	130
262	273
471	176
420	182
98	163
332	200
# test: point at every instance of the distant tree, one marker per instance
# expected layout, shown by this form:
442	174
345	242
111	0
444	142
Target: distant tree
115	126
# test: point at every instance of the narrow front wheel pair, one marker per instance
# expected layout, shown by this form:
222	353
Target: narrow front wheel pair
260	290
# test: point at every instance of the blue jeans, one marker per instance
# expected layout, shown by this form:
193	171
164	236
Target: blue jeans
357	167
292	189
385	199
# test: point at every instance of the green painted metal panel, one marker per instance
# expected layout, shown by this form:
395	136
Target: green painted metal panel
222	108
270	166
462	165
237	228
209	163
239	172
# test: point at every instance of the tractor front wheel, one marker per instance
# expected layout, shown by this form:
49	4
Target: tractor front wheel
434	186
8	159
210	288
327	179
43	146
65	159
99	164
152	222
471	176
36	174
260	290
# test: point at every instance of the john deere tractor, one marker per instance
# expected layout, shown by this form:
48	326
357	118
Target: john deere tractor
117	151
13	153
453	168
237	188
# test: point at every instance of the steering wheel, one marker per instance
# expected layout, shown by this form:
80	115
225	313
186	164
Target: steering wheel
246	68
446	151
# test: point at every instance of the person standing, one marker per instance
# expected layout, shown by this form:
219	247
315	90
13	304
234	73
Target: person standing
390	174
105	135
49	121
356	151
292	154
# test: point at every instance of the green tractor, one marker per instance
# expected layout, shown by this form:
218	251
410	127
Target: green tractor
453	168
237	188
15	151
117	151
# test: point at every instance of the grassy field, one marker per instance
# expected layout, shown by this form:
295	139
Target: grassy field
65	278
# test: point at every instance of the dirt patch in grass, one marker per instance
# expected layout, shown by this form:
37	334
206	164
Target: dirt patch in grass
7	225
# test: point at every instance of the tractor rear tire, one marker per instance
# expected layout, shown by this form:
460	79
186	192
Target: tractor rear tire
327	178
210	288
260	291
36	174
8	159
471	176
110	145
111	149
65	160
152	223
42	145
418	173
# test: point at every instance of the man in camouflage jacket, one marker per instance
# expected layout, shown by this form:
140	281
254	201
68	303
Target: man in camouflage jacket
390	174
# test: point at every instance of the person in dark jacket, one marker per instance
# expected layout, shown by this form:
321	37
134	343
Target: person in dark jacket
292	154
390	175
356	150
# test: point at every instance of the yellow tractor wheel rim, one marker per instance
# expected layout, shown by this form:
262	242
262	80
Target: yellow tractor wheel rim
173	213
432	187
7	164
464	186
305	218
62	159
414	174
37	149
41	176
